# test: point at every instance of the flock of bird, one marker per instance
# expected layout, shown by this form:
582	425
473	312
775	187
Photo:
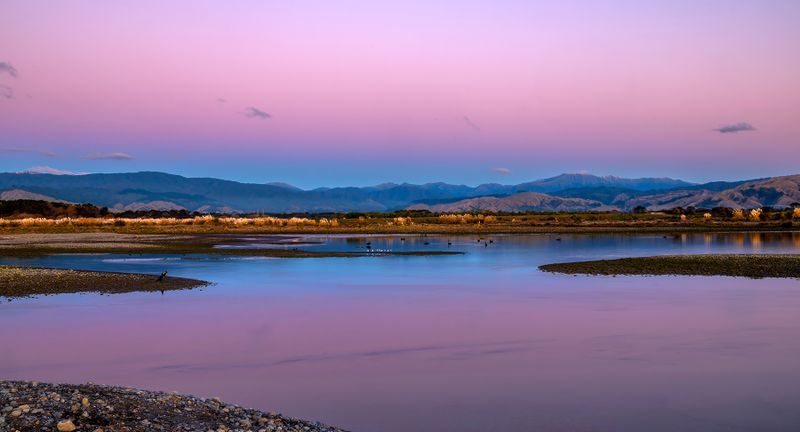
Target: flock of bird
486	243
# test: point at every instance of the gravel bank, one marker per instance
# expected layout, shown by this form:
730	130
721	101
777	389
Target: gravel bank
90	407
751	266
32	281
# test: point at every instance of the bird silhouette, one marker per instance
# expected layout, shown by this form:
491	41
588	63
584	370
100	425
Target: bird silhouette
163	275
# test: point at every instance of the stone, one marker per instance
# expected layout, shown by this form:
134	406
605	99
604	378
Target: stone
66	426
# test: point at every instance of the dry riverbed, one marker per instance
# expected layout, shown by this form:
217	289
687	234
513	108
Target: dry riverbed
28	406
751	266
32	281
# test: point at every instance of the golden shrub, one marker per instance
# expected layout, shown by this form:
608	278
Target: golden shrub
401	221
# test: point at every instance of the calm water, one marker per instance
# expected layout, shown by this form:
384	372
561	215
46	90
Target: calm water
475	342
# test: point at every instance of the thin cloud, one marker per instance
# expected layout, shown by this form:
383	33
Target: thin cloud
471	124
110	156
43	169
6	92
221	100
254	112
502	171
7	68
47	153
736	128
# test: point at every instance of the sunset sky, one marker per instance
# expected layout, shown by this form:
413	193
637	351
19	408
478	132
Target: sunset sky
328	93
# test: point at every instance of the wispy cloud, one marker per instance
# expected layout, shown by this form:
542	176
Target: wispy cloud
471	124
47	153
502	171
6	92
43	169
110	156
7	68
254	112
735	128
222	100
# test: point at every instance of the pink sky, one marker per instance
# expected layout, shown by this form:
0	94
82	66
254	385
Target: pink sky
365	92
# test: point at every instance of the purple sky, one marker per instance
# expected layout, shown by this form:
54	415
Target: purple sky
361	92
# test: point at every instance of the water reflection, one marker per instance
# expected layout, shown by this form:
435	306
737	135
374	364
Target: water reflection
480	341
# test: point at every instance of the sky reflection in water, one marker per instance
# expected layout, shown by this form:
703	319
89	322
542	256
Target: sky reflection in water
480	341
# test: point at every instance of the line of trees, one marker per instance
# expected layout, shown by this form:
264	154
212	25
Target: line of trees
35	208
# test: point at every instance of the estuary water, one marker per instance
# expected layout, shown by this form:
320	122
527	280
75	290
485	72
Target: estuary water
473	342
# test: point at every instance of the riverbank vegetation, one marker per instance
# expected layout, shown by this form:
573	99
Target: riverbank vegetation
38	216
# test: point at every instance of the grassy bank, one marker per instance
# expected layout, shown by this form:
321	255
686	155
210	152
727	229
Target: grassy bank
378	224
29	281
751	266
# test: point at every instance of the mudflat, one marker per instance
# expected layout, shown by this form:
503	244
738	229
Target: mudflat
751	266
28	245
33	281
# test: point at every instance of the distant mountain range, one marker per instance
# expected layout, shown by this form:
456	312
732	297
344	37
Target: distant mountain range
566	192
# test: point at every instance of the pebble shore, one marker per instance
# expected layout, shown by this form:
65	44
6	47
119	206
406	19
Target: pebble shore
754	266
32	406
32	281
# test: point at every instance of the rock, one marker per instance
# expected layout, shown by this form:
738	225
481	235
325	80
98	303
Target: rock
26	407
66	426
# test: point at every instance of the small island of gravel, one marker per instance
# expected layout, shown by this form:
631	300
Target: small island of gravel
32	281
751	266
30	406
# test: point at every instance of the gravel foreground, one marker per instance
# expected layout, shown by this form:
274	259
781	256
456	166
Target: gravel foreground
31	406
